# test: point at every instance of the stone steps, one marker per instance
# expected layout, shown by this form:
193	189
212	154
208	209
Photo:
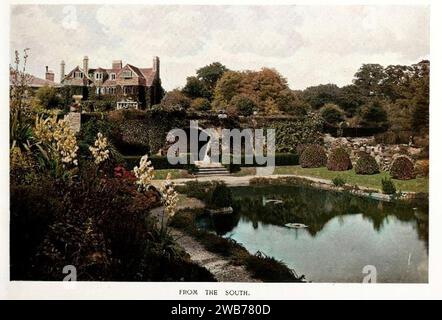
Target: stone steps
212	171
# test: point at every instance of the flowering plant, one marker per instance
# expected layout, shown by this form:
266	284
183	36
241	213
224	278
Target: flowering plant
100	151
170	197
56	140
144	173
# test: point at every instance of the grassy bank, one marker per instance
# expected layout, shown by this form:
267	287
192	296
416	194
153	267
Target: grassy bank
350	177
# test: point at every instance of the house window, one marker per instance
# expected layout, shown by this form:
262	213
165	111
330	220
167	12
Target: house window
78	74
97	90
98	76
112	90
113	76
127	90
127	74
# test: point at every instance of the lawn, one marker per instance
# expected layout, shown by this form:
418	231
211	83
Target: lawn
350	177
175	173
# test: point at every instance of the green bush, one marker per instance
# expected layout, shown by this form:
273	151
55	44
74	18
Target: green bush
366	164
332	114
313	157
200	104
402	168
221	197
338	181
281	159
243	105
339	160
388	186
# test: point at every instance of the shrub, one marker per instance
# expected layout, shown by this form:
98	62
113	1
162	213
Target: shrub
339	160
338	181
388	186
422	168
221	197
332	114
402	168
366	164
200	104
313	157
243	104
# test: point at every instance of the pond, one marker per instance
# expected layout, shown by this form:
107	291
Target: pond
344	233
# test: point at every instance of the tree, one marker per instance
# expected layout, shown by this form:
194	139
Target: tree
226	88
243	105
373	115
210	74
351	99
332	114
48	97
319	95
175	99
369	79
200	104
195	88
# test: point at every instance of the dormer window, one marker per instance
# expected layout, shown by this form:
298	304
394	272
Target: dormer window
98	76
78	74
113	76
127	74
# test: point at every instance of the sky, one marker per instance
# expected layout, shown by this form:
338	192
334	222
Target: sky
308	45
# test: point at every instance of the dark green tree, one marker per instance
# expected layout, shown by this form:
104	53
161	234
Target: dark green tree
210	74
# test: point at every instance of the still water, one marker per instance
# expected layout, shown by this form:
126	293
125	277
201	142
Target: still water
345	233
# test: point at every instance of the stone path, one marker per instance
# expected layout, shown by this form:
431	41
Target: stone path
219	266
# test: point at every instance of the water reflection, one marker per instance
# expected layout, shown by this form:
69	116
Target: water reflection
393	235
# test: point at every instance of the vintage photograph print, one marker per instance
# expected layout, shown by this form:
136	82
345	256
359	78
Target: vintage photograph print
227	143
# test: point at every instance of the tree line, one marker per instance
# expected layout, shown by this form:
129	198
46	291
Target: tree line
394	97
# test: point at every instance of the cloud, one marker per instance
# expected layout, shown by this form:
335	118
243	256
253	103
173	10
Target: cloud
307	44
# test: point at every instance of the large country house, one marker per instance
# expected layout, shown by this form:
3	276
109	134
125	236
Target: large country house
128	86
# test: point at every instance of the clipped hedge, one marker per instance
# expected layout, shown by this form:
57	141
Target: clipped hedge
339	160
313	157
158	162
402	168
366	164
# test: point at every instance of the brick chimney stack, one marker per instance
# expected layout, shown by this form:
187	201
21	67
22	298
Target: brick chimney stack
62	74
156	66
117	64
86	65
49	74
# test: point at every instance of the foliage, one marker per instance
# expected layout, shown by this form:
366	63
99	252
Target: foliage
313	157
366	164
402	168
221	197
388	186
195	88
318	96
210	74
291	133
175	99
422	168
373	115
332	114
144	173
200	104
48	97
243	104
267	88
338	182
339	160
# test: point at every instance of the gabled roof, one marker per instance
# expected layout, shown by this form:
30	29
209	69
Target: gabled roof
34	82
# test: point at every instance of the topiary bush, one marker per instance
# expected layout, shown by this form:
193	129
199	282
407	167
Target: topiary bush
388	186
313	157
366	164
339	160
402	168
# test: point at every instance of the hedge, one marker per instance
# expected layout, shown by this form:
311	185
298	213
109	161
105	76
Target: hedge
161	162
